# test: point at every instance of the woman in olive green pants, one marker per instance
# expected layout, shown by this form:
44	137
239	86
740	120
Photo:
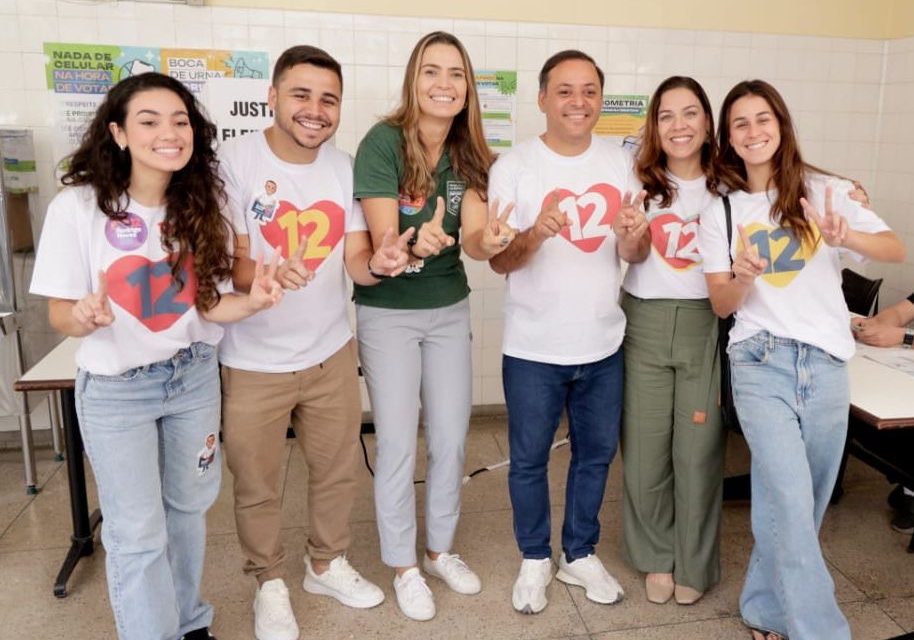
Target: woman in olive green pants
672	440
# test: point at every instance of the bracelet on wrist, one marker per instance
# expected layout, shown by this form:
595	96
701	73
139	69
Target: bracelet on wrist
373	274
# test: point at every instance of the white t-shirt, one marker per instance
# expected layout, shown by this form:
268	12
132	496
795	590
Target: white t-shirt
152	319
673	267
310	324
800	295
562	307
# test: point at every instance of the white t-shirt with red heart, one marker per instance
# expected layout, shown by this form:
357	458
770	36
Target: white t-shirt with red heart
311	324
152	318
673	267
799	296
562	307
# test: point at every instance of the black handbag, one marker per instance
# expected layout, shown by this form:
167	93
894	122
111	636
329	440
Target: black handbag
727	409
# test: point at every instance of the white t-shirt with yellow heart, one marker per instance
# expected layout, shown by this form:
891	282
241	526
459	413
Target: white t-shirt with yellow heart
799	296
314	200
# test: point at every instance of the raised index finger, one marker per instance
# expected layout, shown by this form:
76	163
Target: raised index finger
744	236
299	255
102	289
274	263
438	218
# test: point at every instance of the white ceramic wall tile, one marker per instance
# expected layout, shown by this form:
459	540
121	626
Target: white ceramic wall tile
9	34
266	38
621	57
293	36
265	17
12	76
500	28
230	36
78	30
120	31
401	45
8	7
369	84
532	30
34	31
528	86
339	43
370	47
531	53
188	14
427	25
197	36
501	52
475	47
45	8
470	28
33	70
555	45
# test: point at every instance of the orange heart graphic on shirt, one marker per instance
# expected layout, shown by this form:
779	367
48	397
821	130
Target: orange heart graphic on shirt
322	222
676	240
590	214
145	290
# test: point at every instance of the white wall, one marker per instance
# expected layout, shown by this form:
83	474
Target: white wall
835	88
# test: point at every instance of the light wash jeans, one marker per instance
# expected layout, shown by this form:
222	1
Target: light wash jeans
152	436
792	400
408	355
536	394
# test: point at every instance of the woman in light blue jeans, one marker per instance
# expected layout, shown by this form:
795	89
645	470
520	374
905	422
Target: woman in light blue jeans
133	255
788	348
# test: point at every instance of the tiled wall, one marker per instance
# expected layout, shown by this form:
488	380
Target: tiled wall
895	168
835	87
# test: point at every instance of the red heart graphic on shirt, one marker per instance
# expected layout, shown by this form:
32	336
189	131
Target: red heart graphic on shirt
145	290
322	222
590	214
676	240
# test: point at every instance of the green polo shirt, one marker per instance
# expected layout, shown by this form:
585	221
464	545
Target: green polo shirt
436	281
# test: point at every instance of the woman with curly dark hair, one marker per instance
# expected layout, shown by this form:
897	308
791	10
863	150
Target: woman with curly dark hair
134	256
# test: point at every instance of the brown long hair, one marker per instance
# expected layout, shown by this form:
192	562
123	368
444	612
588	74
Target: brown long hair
651	162
194	223
466	142
788	168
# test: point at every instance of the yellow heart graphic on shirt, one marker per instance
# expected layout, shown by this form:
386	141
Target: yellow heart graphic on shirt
785	254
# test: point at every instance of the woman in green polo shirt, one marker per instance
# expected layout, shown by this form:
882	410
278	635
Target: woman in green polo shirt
424	166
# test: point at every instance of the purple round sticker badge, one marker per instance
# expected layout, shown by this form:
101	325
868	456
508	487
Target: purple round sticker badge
127	234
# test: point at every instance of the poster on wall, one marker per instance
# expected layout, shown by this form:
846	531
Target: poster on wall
79	75
622	116
18	153
238	106
498	101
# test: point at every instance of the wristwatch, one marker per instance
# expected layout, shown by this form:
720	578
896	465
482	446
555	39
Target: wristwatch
908	341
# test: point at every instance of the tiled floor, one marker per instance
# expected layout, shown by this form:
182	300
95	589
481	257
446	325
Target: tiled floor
873	573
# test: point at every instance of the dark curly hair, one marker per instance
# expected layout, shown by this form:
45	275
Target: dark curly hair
194	198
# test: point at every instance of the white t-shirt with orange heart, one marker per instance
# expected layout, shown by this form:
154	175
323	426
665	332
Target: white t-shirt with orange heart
311	324
799	296
562	306
153	318
673	267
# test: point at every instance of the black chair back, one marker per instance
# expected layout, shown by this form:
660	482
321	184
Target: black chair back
860	293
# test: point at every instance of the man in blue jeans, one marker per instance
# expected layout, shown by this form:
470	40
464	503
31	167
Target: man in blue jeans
563	324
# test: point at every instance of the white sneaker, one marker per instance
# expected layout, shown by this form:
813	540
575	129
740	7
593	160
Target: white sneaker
414	596
590	573
344	583
529	594
454	571
273	617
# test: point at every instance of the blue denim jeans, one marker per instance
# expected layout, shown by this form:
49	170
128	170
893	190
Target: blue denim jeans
151	434
792	400
535	394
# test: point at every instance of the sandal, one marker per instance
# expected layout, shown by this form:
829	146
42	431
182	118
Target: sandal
762	634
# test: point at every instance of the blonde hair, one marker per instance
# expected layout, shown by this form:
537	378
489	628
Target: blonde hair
466	143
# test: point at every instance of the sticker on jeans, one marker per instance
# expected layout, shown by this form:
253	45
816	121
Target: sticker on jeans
207	454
